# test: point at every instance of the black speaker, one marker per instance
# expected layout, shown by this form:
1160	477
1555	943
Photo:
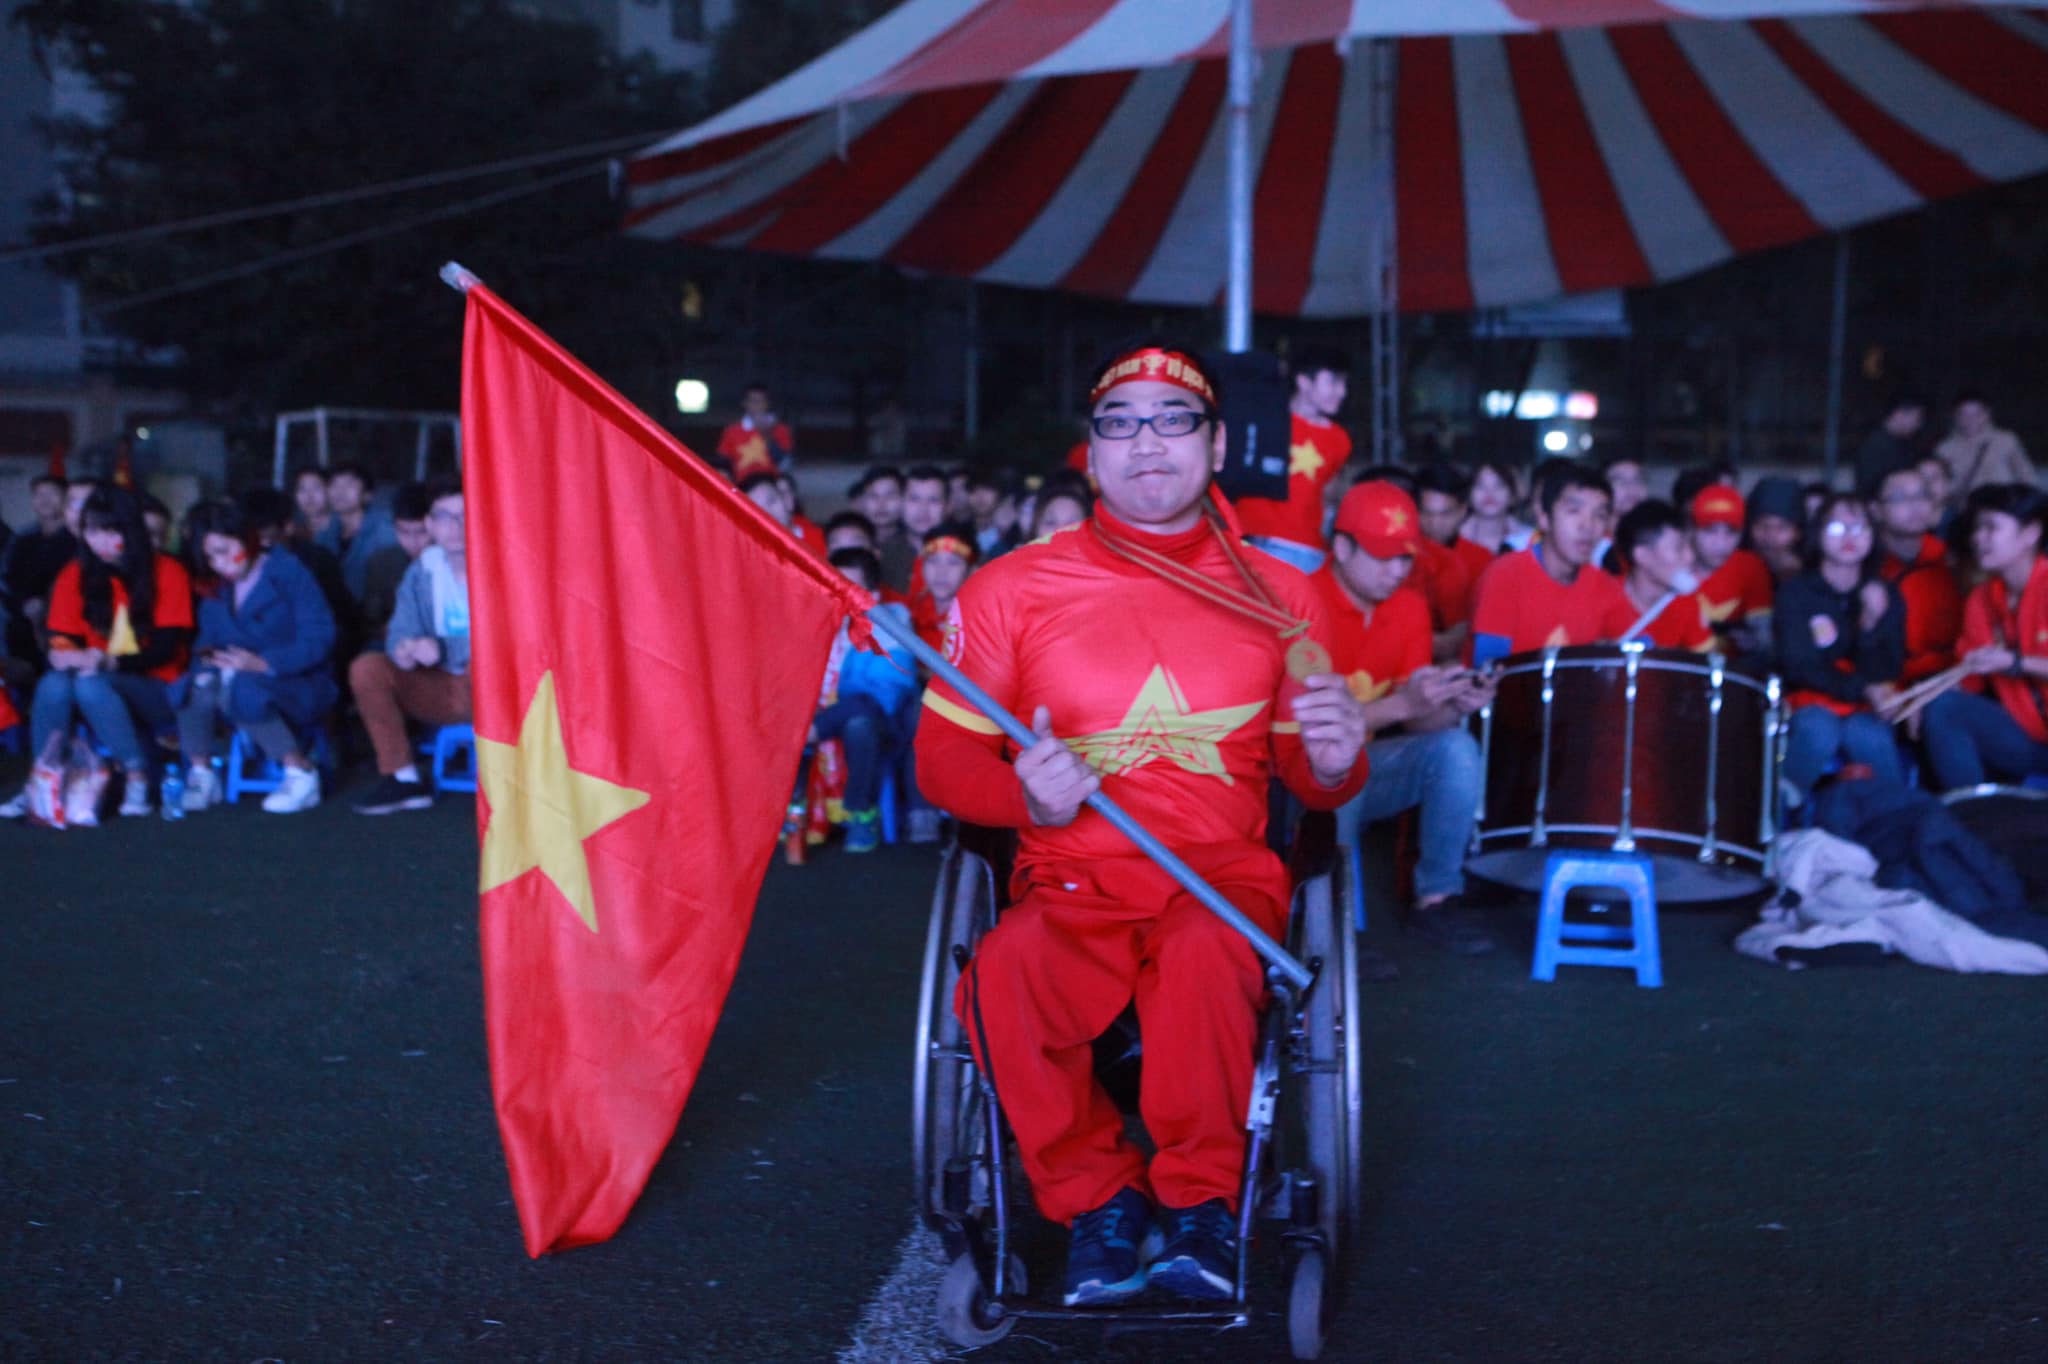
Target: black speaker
1256	425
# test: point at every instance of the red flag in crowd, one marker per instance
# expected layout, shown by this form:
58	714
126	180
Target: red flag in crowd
638	723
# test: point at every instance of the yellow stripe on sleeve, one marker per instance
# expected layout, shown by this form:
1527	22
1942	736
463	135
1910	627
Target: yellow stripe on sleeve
972	721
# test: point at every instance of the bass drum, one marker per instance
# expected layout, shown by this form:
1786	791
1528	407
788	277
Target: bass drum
1630	749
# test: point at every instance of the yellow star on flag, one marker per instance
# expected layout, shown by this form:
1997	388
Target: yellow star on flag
1304	459
1160	725
542	809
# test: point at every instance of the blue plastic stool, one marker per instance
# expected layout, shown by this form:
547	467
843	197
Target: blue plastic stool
886	805
1559	943
270	776
449	741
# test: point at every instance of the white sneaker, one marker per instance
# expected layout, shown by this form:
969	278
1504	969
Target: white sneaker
202	788
17	808
300	791
135	794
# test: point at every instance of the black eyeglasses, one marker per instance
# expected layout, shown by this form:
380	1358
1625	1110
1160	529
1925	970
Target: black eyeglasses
1175	421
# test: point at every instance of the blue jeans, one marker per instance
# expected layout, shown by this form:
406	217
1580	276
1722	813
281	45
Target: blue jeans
1439	772
1970	739
111	704
860	725
1307	558
1817	737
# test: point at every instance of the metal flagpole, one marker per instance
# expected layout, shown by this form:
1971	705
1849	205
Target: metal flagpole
1279	957
1237	301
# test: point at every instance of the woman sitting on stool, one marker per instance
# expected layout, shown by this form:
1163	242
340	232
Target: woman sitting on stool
266	639
119	621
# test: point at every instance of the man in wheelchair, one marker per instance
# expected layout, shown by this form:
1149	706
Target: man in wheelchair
1168	664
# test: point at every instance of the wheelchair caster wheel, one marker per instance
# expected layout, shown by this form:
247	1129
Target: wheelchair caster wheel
1307	1322
965	1315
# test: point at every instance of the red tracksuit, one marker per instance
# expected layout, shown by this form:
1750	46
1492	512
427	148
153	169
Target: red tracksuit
1173	701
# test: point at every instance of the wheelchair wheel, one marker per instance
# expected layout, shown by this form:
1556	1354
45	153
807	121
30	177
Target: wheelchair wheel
1332	1138
1308	1318
946	1118
964	1314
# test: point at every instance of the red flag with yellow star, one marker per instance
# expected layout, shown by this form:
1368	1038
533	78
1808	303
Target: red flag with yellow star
638	725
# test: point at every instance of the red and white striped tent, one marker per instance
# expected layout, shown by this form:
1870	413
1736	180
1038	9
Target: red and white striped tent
1517	149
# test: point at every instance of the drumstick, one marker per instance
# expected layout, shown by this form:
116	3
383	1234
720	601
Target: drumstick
1938	682
1927	693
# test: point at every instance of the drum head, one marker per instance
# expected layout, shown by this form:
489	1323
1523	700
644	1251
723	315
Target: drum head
1680	880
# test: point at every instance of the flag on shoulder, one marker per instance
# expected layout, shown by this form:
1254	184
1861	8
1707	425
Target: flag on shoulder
638	725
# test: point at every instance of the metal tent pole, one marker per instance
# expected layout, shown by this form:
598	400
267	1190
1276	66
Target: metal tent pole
1831	438
1237	325
1385	262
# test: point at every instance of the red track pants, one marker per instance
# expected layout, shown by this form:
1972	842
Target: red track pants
1079	944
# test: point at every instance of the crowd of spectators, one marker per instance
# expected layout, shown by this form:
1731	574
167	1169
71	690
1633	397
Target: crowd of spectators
277	617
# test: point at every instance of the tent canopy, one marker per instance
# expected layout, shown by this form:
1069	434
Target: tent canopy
1516	149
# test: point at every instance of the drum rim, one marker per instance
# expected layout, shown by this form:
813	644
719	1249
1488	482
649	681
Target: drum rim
1638	832
1649	660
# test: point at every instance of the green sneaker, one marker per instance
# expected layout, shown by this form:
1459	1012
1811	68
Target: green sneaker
863	831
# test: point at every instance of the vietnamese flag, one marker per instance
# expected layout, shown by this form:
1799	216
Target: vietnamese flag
647	648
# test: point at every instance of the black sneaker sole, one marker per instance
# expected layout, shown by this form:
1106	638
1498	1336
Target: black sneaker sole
421	802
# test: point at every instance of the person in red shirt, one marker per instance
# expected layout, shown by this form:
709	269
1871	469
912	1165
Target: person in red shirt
1439	575
1916	562
1973	737
120	626
1736	586
759	442
1317	448
948	556
1550	593
1651	541
1420	757
1159	661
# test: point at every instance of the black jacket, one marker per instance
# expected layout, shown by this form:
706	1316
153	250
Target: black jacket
1806	663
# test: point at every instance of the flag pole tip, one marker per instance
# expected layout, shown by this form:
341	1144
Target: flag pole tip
457	278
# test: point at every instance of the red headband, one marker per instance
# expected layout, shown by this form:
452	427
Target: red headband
1165	366
949	544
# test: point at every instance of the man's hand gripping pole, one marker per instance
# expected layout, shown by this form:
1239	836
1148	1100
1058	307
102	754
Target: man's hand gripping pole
1297	975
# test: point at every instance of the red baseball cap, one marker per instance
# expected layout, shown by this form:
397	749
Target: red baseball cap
1382	519
1718	505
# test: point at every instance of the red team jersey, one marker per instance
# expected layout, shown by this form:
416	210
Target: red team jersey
1314	455
1934	607
1990	616
1444	582
1523	604
173	609
1740	588
749	451
1681	625
1176	702
1375	650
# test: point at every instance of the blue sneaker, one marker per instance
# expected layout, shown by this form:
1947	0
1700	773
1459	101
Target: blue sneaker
863	831
1105	1259
1199	1259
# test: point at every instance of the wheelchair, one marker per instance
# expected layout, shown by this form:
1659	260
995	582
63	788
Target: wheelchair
1303	1163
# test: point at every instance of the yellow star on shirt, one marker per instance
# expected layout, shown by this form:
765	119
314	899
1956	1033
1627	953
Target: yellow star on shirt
1715	612
1160	725
1304	459
542	809
1365	688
